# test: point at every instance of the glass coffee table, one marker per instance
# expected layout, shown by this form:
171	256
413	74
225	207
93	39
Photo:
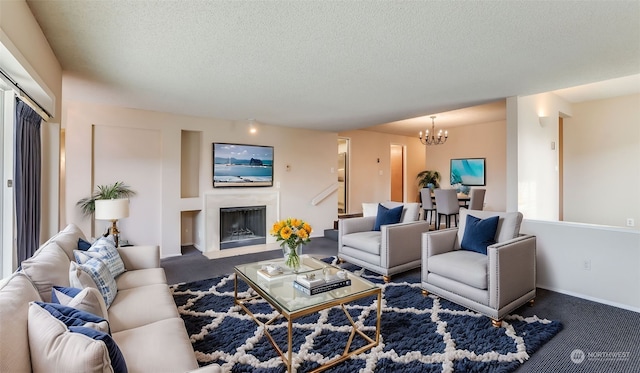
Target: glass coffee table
291	303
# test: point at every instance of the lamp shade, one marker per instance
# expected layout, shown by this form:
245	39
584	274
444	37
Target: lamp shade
112	209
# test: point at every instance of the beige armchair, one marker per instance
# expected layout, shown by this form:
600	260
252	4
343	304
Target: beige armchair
494	284
393	249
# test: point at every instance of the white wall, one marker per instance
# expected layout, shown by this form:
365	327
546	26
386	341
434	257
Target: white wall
119	156
484	140
538	182
369	180
602	162
588	261
310	154
26	55
563	247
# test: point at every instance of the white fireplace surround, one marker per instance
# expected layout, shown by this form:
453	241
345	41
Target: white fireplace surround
237	198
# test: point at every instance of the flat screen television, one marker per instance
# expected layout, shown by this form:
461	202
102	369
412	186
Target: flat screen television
239	165
468	171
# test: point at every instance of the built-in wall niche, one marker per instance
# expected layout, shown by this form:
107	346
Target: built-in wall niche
190	163
188	226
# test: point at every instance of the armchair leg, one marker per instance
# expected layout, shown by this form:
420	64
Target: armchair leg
425	292
531	302
496	323
340	260
386	279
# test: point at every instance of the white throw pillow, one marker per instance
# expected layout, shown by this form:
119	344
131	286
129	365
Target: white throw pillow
369	209
410	212
88	299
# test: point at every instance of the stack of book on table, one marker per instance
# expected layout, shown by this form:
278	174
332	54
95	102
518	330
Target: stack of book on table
316	283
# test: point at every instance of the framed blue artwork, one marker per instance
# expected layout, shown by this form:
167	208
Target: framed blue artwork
468	171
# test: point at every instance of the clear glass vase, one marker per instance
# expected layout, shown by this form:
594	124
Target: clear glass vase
292	256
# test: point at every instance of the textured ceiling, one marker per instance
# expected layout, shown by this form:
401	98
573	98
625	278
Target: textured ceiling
333	65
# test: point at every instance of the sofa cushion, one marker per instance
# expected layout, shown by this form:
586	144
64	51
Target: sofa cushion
99	273
479	233
88	299
48	266
387	216
56	347
15	294
132	307
67	239
104	249
162	346
141	277
368	241
467	267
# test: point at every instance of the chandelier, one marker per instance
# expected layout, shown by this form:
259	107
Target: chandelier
434	140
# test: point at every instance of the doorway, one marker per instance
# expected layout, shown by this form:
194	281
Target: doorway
397	173
343	175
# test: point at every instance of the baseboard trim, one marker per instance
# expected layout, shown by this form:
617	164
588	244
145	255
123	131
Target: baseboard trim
593	299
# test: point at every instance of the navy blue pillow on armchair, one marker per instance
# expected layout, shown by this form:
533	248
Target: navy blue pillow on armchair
479	233
387	216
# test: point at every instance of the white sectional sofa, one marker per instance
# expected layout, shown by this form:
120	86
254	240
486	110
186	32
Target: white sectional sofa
143	318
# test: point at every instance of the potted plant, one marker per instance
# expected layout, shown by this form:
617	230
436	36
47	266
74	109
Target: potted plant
112	191
429	179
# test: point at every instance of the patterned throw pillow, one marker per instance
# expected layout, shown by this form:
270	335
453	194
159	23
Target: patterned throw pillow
104	249
61	348
99	273
88	299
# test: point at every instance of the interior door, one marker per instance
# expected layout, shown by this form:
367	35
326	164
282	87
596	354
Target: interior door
343	175
397	173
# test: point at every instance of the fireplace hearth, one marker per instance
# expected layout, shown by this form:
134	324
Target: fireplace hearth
242	226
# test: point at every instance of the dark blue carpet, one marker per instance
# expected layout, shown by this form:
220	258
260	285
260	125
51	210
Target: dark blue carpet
419	333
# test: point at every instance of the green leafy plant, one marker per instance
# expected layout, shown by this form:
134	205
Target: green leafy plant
427	177
113	191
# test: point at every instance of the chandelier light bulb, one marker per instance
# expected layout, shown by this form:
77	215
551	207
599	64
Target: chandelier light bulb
433	140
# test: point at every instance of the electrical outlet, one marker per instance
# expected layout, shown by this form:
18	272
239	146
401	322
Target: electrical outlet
631	222
586	264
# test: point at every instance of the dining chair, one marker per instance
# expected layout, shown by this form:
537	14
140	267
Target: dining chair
476	201
447	205
428	207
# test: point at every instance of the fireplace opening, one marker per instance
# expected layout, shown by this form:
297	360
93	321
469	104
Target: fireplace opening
242	226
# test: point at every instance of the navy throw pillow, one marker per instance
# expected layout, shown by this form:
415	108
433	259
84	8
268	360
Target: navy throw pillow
387	216
479	233
83	245
69	315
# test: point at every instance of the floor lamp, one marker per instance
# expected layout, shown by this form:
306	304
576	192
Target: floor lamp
112	209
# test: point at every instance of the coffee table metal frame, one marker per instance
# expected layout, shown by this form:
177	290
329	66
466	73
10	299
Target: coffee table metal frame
291	315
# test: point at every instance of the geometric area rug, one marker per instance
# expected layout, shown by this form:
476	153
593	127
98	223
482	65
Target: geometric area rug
418	333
